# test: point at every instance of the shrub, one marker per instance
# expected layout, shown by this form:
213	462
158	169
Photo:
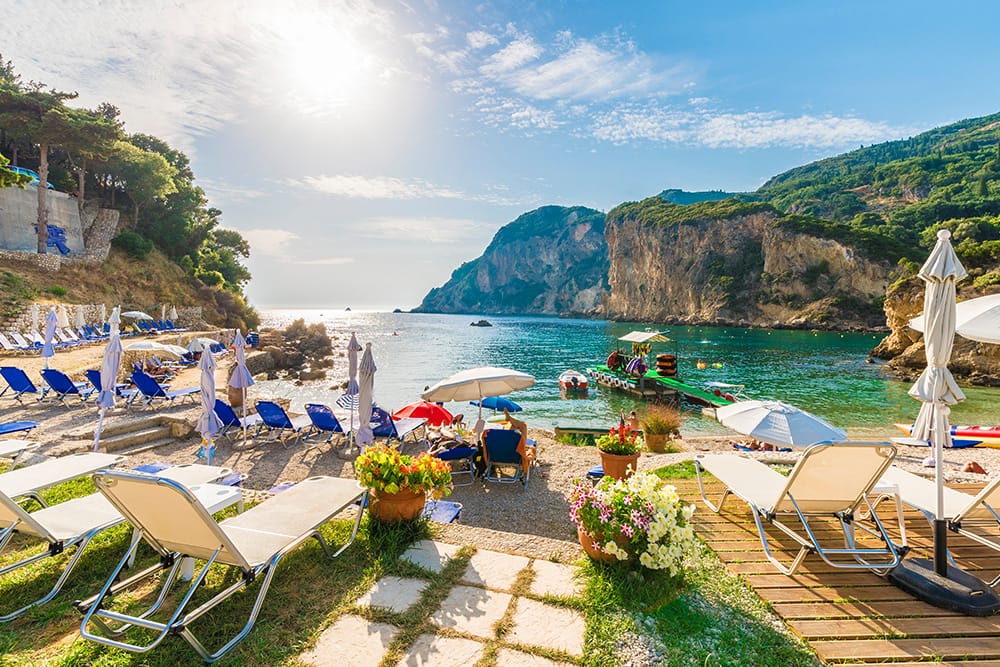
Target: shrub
661	421
210	278
133	244
57	290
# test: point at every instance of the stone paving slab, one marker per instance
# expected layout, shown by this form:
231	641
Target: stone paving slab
539	624
471	610
433	651
430	555
351	641
393	593
555	579
507	657
494	570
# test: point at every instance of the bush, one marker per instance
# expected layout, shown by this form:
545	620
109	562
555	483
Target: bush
210	278
133	244
57	290
661	421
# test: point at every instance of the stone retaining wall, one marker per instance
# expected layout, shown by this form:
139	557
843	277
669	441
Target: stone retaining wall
186	315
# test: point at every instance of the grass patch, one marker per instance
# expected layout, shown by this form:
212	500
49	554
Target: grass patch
577	439
681	470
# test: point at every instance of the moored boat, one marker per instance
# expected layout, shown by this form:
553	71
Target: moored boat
981	436
573	382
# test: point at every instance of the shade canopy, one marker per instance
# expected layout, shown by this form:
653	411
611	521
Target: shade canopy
241	378
645	337
975	319
778	423
432	412
476	383
81	317
201	344
136	315
62	317
498	403
48	348
366	382
173	313
156	348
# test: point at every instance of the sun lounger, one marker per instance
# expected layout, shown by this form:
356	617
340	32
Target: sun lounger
15	450
828	481
323	421
231	421
62	387
19	383
27	482
10	347
22	343
384	426
151	390
76	522
500	453
967	514
275	418
176	525
121	389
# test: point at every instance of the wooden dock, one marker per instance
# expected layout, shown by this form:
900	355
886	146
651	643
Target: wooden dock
654	387
854	618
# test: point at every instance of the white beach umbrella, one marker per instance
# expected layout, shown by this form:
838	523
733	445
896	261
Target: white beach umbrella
103	313
975	319
109	377
163	311
778	423
48	350
62	317
152	346
115	321
476	384
173	313
34	317
136	315
366	384
201	344
208	423
241	378
349	401
81	317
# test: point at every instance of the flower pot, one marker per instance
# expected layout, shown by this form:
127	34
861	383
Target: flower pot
588	546
619	466
403	505
656	442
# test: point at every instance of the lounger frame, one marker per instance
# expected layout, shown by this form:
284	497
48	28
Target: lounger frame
779	502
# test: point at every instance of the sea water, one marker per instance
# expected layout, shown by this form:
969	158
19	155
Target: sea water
827	373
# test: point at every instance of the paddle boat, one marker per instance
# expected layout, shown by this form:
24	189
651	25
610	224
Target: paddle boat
573	383
967	436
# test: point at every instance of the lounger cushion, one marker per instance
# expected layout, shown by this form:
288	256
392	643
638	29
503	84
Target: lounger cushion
748	478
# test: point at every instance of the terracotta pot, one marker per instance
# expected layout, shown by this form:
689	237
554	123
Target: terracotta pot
401	506
619	466
588	546
656	442
235	396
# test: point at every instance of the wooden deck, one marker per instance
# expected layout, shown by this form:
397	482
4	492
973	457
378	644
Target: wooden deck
854	617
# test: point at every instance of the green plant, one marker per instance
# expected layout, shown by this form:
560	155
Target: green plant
57	290
661	421
384	468
136	246
651	523
620	440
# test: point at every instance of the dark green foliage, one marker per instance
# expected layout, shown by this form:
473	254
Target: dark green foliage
655	211
685	198
57	290
136	246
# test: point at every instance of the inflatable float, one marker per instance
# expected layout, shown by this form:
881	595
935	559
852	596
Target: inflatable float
967	436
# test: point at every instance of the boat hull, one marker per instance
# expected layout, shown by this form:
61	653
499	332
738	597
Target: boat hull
573	383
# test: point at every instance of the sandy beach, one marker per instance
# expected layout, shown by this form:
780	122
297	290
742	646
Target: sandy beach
538	512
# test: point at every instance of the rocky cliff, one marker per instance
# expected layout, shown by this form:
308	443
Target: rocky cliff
971	362
553	260
735	262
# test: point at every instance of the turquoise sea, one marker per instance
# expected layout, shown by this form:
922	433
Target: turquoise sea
825	373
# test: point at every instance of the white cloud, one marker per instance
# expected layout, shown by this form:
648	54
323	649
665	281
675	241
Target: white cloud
425	230
479	39
511	57
286	246
221	192
377	187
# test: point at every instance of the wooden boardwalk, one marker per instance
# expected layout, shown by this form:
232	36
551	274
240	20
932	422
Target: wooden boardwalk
854	617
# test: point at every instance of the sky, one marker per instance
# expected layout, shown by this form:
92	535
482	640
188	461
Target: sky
367	148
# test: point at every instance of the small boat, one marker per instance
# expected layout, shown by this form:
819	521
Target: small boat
978	436
573	382
480	323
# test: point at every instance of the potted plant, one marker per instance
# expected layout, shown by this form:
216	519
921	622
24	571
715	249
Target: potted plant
660	424
399	483
619	449
639	519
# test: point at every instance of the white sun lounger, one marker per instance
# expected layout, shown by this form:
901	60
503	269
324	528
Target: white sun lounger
15	449
32	479
967	514
176	525
76	522
828	481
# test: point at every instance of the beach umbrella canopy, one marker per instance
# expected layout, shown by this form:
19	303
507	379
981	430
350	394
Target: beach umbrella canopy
497	403
201	344
109	376
778	423
81	318
208	423
432	412
975	319
476	383
34	317
103	313
353	347
62	317
163	311
366	383
173	313
156	348
48	350
241	378
136	315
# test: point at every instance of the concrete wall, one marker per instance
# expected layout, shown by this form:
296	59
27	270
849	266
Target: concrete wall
19	212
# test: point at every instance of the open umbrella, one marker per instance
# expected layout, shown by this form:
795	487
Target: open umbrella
477	383
975	319
208	423
241	378
109	376
136	315
34	317
366	377
497	403
432	412
62	317
154	347
173	313
48	350
81	317
938	582
778	423
201	344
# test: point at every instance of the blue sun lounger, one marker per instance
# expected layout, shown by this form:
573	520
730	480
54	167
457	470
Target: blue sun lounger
7	428
323	420
384	426
94	376
19	382
276	419
62	387
150	390
230	420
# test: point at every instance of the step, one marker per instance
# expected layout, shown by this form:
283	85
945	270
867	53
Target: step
133	438
115	427
146	446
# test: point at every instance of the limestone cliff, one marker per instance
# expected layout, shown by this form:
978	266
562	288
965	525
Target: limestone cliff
553	260
735	262
971	362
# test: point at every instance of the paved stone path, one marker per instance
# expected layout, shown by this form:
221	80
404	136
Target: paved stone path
467	618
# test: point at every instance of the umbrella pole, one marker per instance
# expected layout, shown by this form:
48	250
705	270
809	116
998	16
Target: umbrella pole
940	524
97	432
244	417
